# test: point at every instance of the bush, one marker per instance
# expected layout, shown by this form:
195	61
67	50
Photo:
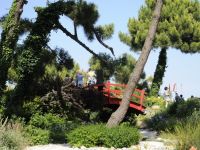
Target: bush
47	121
37	136
100	135
186	108
52	127
11	137
167	119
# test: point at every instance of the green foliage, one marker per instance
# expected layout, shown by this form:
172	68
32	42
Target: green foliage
187	132
37	136
168	118
43	129
51	72
8	41
124	66
73	72
178	27
47	121
105	31
125	38
11	137
187	108
31	107
31	62
12	74
64	59
26	110
97	65
159	72
154	100
85	14
100	135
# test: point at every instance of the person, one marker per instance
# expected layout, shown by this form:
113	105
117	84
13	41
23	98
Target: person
166	96
79	79
181	98
91	77
177	98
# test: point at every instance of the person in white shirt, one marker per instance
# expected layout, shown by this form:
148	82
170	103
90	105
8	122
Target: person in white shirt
91	77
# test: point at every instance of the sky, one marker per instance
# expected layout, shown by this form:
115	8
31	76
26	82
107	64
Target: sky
182	68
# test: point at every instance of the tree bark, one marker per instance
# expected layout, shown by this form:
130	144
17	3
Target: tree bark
120	113
159	72
9	39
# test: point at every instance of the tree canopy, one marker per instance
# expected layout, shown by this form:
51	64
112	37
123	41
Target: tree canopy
179	28
30	63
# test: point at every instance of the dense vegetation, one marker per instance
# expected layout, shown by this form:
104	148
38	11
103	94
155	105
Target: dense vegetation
179	121
39	102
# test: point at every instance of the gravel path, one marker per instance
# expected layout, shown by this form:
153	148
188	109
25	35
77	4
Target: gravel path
145	145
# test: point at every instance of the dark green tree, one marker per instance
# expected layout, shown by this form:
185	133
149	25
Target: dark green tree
179	27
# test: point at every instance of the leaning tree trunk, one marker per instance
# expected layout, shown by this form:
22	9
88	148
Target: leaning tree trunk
120	113
159	72
9	39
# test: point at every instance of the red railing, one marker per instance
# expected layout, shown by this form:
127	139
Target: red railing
114	95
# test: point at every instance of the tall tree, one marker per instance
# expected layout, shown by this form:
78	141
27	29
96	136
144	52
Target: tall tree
9	39
119	114
179	27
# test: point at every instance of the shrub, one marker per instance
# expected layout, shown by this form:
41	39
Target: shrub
52	127
11	137
167	119
100	135
47	121
187	108
37	136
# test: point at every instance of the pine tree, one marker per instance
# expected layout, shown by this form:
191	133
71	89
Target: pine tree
119	114
179	28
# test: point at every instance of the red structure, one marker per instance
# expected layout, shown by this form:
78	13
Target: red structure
114	93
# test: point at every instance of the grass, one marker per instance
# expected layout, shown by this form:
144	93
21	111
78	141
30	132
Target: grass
186	132
11	137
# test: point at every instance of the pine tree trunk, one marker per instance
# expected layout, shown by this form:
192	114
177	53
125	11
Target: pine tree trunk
9	39
120	113
159	73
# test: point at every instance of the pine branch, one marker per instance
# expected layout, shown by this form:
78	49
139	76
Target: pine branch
64	30
102	43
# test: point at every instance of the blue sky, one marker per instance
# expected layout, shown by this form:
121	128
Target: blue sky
182	68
